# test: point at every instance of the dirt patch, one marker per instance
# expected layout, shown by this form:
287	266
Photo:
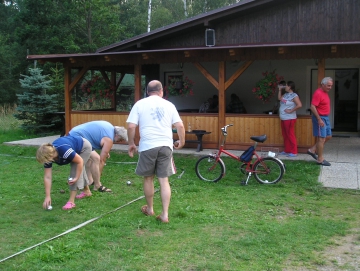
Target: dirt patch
343	255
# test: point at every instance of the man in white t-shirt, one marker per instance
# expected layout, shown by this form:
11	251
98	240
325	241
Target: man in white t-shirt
155	117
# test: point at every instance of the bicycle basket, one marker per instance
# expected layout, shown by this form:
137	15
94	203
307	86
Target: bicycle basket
247	155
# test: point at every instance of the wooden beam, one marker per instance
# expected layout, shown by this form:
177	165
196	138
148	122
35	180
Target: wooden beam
207	75
105	76
232	52
67	85
120	80
77	78
113	83
282	50
239	71
137	73
236	52
221	89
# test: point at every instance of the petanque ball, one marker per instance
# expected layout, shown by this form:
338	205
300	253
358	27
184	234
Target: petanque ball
128	183
49	208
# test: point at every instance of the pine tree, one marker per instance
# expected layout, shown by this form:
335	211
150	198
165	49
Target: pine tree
35	106
57	78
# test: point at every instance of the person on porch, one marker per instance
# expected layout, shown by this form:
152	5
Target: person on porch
205	106
235	105
320	108
289	103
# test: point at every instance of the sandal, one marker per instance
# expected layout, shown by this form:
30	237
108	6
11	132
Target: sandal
103	189
82	195
145	212
324	163
162	220
69	205
313	155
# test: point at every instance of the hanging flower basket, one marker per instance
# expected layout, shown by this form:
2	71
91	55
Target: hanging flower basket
179	87
265	89
97	89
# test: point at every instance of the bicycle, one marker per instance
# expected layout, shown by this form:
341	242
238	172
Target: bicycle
266	170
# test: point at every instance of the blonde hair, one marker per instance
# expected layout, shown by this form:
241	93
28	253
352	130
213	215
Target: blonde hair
45	153
121	132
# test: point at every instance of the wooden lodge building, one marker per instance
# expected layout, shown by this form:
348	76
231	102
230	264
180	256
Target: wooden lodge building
226	51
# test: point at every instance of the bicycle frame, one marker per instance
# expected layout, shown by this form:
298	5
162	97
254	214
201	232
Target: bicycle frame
249	165
266	170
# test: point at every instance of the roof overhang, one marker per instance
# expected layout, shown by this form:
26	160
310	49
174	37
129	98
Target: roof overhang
144	54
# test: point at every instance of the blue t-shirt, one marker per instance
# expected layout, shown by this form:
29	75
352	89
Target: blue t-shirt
67	147
94	131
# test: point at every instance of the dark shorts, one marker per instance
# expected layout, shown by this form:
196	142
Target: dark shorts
157	161
319	131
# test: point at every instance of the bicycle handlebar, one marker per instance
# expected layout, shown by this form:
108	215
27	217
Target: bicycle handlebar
224	129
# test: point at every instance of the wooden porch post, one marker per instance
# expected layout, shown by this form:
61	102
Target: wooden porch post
113	82
321	70
221	90
67	82
137	95
137	73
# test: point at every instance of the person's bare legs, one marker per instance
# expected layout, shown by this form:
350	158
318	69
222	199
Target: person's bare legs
94	169
72	196
87	191
148	186
165	193
88	171
318	148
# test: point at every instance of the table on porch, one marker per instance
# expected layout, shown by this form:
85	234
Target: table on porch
199	136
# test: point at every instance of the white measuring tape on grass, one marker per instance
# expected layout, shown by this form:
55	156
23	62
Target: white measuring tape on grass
73	229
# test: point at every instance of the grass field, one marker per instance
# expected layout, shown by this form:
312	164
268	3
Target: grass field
213	226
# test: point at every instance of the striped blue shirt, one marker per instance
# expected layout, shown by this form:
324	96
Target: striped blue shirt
67	147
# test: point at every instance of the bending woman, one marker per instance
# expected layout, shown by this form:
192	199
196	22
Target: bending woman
73	150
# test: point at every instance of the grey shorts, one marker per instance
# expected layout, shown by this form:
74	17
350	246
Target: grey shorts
85	155
157	161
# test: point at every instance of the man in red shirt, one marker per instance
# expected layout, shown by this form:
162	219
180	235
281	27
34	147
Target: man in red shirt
320	108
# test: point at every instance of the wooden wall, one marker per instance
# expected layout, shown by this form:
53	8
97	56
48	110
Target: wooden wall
117	119
245	125
253	125
291	21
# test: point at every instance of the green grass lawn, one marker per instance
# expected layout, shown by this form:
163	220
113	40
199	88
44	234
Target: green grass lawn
213	226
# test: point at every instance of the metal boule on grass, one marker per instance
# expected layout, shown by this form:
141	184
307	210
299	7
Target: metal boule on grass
49	207
128	182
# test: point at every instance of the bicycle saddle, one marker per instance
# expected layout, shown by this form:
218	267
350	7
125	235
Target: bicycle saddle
261	138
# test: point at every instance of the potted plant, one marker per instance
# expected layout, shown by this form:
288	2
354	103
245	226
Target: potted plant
97	90
179	87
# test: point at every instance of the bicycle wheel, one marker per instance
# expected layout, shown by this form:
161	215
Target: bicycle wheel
268	170
208	169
